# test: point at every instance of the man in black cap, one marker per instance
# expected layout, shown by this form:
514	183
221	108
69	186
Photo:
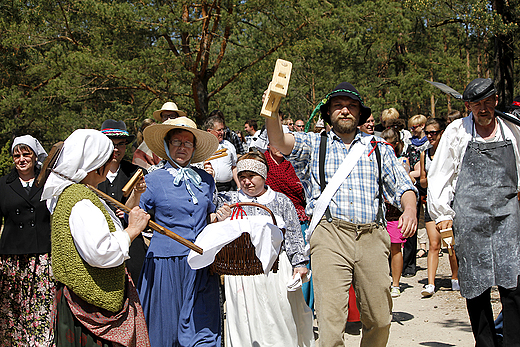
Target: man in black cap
119	174
472	188
349	245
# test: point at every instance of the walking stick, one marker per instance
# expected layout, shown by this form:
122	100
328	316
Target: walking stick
48	167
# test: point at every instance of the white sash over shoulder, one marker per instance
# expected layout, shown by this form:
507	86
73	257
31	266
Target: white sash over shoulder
341	174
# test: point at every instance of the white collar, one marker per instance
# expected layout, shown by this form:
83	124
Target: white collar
263	199
111	176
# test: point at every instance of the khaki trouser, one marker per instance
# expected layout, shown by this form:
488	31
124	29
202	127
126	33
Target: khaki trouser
342	254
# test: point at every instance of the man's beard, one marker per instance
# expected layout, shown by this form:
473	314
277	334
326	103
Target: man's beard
484	121
344	127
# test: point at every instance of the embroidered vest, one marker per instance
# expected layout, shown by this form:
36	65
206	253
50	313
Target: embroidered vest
102	287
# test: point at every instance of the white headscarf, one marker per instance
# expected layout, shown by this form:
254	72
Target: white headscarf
83	151
34	144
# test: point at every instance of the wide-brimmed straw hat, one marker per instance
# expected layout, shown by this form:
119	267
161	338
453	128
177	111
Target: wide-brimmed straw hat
206	143
169	106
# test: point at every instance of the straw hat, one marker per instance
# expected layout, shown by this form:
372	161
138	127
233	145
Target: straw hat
206	143
169	106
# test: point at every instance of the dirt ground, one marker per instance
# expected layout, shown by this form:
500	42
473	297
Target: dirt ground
438	321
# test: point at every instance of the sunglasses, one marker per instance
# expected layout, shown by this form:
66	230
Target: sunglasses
432	133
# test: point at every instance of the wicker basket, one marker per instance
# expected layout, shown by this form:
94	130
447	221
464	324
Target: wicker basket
238	257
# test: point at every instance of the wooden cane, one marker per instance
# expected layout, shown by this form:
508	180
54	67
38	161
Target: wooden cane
218	154
48	167
151	224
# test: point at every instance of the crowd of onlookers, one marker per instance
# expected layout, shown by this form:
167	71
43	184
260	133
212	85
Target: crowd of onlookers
113	281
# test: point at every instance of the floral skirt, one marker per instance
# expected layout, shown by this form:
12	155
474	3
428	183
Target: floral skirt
27	292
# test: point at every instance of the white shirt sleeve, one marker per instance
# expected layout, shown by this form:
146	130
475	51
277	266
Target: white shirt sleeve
443	173
233	153
95	243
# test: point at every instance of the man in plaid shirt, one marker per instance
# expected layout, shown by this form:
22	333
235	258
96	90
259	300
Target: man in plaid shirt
350	247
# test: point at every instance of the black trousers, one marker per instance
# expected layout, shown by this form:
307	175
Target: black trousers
481	317
409	256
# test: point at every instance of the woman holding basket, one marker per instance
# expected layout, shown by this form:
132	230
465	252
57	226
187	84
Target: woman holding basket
434	129
260	309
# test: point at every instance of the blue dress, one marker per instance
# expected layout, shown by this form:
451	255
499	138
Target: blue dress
181	305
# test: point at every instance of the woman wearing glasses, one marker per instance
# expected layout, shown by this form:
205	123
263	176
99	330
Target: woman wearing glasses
181	305
433	129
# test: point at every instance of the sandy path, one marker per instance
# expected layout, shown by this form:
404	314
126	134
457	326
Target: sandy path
439	321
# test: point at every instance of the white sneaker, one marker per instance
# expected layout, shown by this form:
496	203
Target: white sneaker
428	290
455	285
395	292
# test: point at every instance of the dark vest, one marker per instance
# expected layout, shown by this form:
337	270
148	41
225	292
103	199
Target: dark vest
114	189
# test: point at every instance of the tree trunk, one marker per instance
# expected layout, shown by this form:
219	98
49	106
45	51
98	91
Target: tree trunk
504	58
201	99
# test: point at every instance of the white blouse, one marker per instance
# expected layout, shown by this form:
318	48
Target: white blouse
446	164
93	239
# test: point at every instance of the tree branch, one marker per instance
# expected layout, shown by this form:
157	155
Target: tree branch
447	21
67	25
252	63
223	46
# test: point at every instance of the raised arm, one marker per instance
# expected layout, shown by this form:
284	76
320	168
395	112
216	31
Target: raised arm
423	181
284	142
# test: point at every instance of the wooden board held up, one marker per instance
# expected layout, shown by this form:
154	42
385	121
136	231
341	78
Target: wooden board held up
277	88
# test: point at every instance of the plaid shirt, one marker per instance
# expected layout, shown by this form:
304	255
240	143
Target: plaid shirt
356	200
232	137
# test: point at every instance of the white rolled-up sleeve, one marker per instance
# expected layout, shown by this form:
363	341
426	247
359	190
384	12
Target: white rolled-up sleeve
444	170
95	243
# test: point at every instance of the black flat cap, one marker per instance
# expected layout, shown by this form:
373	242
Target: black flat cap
478	89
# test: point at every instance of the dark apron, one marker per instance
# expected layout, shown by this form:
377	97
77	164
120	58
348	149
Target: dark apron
487	217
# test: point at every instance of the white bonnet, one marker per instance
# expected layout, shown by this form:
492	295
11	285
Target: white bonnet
83	151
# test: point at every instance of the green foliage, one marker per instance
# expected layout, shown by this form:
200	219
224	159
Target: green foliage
6	160
73	64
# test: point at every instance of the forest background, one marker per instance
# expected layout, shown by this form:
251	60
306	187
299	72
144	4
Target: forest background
71	64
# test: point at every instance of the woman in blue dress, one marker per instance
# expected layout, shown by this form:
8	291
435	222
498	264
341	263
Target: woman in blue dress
181	305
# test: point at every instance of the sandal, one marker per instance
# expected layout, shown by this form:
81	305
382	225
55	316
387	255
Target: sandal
424	253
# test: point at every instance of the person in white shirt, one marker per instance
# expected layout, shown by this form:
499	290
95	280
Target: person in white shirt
472	187
95	297
225	168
